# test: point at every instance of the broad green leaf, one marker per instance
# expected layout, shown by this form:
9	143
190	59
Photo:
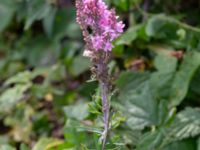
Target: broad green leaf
122	4
22	78
181	81
194	86
139	103
73	135
47	143
156	140
36	10
129	36
78	111
44	53
118	50
188	144
172	31
20	122
6	147
24	147
87	89
161	26
80	65
144	96
165	63
151	140
65	24
7	9
11	96
4	139
134	79
48	22
161	79
186	124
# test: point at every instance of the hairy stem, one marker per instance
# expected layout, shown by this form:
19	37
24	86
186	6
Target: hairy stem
103	77
106	113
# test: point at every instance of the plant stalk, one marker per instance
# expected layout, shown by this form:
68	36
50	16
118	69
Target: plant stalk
106	113
103	77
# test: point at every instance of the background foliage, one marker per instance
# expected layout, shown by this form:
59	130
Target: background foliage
46	103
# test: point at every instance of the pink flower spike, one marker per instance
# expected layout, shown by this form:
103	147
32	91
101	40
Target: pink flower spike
99	24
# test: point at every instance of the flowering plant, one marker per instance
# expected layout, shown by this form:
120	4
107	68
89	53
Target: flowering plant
100	27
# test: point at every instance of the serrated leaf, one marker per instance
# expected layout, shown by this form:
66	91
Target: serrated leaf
186	124
156	140
139	103
144	96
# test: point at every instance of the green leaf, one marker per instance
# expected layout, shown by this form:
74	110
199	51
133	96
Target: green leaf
186	124
172	31
48	22
20	122
139	103
183	77
161	26
4	139
11	96
74	134
6	147
161	80
47	144
194	87
78	111
134	79
24	147
129	36
22	78
36	10
7	9
151	140
188	144
165	63
156	140
198	143
80	65
65	24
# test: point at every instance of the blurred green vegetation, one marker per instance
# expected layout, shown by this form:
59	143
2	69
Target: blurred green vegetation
48	102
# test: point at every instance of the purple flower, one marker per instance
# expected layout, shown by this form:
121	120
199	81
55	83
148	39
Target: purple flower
99	24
